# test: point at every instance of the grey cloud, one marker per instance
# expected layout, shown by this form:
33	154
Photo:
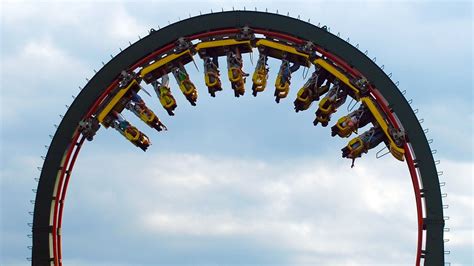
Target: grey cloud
299	209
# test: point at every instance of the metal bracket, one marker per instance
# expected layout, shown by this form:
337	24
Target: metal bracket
398	135
363	86
246	33
183	44
89	127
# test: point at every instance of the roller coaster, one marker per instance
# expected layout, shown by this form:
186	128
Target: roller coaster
339	71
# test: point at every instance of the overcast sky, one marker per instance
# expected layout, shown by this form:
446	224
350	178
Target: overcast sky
234	181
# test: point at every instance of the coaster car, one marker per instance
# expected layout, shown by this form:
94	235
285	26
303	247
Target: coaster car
185	84
211	75
233	50
363	143
216	48
117	99
236	74
165	65
139	108
283	80
260	76
352	122
280	50
313	89
355	87
163	92
395	138
335	97
130	132
288	54
383	130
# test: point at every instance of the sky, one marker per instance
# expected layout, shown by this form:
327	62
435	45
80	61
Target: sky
234	181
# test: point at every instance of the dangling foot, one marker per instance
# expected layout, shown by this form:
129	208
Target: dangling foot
315	122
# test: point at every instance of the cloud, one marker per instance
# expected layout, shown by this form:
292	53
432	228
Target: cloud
55	52
47	59
74	25
37	67
122	26
439	117
308	209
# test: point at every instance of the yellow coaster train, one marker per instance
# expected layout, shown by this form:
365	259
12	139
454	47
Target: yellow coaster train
330	84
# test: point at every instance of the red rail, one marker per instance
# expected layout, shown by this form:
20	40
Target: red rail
63	194
213	33
62	188
58	196
278	35
414	177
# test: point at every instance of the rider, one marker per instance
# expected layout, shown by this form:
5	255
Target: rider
369	139
122	123
211	68
163	92
235	60
260	75
157	85
287	70
335	97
